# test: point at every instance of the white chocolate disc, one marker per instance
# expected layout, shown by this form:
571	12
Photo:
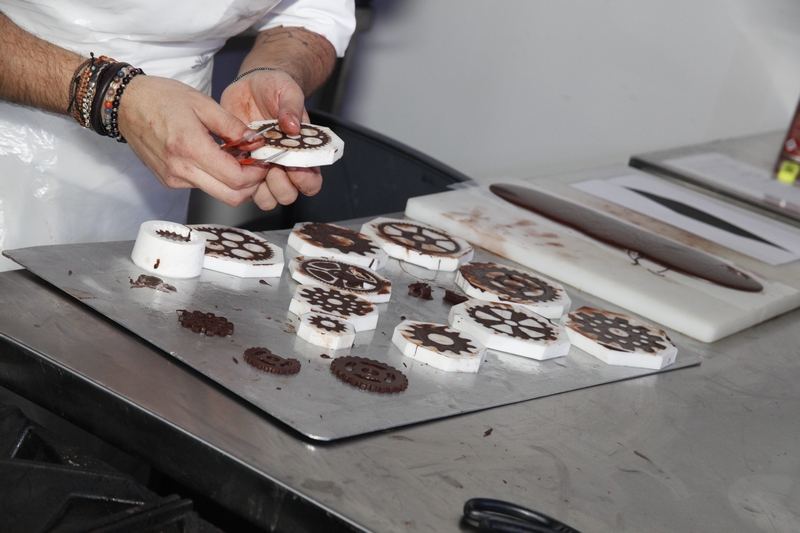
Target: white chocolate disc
619	339
321	239
239	252
326	330
419	244
315	146
439	346
341	275
356	310
169	249
511	328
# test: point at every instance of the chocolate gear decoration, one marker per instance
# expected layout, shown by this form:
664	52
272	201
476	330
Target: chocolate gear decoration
369	374
340	303
420	238
511	283
248	247
345	240
427	335
513	323
264	359
207	323
328	323
310	138
615	331
343	275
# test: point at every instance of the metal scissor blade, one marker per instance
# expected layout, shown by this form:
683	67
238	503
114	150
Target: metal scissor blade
254	161
248	137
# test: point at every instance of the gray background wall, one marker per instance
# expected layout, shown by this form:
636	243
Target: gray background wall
528	87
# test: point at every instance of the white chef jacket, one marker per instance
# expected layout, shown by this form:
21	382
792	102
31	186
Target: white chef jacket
61	183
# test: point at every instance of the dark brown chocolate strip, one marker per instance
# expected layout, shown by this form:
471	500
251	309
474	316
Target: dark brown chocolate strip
668	253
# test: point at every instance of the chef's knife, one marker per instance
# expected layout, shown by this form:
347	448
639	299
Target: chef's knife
669	253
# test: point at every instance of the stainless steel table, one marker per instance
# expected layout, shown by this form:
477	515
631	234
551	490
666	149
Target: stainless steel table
712	447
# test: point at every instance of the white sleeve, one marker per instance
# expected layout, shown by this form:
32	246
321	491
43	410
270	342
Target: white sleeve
333	19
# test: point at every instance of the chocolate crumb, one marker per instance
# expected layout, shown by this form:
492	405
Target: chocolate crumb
420	290
158	262
277	388
402	317
454	298
235	360
488	432
69	273
325	356
261	281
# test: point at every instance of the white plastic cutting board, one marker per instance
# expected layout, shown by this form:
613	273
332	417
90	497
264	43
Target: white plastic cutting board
692	306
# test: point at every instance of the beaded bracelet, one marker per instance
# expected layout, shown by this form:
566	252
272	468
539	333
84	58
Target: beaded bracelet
107	86
84	81
112	126
245	73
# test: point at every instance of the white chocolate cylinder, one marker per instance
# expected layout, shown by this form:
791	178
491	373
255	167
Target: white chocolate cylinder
169	249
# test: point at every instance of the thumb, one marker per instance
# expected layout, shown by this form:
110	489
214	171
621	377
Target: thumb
291	108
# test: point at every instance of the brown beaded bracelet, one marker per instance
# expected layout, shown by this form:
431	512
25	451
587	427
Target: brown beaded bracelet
107	86
112	125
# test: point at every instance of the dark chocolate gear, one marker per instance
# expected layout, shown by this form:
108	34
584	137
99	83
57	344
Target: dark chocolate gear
207	323
311	138
337	302
172	236
420	290
369	374
334	237
513	284
345	276
236	244
451	340
328	323
615	332
423	239
264	359
513	323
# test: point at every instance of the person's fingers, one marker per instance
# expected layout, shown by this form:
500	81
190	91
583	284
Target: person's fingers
280	185
263	198
291	107
307	180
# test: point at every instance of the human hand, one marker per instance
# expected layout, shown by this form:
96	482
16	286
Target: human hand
264	95
167	125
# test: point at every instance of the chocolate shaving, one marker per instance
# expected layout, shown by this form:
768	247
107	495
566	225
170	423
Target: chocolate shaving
420	290
264	359
454	298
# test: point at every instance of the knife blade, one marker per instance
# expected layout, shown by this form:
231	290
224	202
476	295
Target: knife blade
659	249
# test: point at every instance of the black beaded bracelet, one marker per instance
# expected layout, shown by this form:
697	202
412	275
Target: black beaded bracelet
113	126
245	73
105	92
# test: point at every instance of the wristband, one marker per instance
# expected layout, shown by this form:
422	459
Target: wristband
245	73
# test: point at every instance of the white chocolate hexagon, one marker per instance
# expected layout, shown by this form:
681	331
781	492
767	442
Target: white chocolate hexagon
321	239
342	275
315	146
169	249
239	252
419	244
326	330
494	282
619	339
510	328
439	346
354	309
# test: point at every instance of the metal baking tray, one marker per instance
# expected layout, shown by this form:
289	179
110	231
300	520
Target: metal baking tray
314	401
